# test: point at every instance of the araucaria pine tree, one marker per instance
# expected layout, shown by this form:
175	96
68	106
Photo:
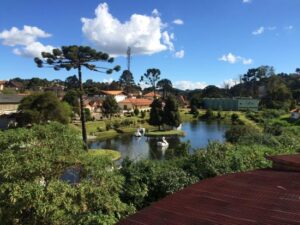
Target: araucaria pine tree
77	57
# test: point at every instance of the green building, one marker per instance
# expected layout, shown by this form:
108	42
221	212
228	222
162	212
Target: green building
231	104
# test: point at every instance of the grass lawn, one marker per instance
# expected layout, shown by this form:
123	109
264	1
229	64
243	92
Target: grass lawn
113	154
158	133
248	122
185	115
106	135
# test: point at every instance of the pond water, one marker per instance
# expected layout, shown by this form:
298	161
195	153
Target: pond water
199	133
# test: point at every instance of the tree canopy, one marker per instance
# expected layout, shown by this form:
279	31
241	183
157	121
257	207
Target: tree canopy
151	77
156	113
110	106
34	187
171	112
166	85
41	108
126	81
77	57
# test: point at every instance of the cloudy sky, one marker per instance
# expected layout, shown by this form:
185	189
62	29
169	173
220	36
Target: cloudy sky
193	43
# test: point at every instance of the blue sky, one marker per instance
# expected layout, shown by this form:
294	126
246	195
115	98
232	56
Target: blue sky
193	43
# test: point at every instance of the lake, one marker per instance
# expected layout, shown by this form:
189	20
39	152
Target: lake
199	133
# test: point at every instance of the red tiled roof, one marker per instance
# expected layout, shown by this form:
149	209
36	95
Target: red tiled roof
257	197
151	94
137	101
3	81
113	92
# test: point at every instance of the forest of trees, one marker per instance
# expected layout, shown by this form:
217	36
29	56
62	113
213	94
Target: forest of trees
275	90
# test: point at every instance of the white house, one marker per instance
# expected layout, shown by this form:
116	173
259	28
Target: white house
10	103
295	114
130	104
118	95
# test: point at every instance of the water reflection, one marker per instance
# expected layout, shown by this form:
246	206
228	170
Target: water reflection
199	133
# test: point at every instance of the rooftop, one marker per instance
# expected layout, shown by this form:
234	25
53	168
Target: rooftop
151	94
118	92
6	99
137	101
267	196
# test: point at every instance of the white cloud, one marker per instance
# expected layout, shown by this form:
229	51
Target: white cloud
189	85
247	1
247	61
33	50
179	54
109	80
259	31
28	35
155	12
178	22
144	34
26	40
167	40
229	83
290	27
232	59
229	58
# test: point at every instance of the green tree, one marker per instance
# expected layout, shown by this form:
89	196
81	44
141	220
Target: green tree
143	113
209	114
151	77
194	110
35	82
136	111
44	107
171	112
156	113
278	94
34	188
72	98
88	114
212	91
166	85
72	82
77	57
234	118
110	106
126	81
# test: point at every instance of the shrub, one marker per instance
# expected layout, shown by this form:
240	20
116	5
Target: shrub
116	124
182	150
136	111
234	118
100	129
274	129
237	131
147	181
87	113
143	114
209	114
108	125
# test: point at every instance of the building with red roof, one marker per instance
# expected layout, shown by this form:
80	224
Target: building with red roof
119	95
151	95
129	104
